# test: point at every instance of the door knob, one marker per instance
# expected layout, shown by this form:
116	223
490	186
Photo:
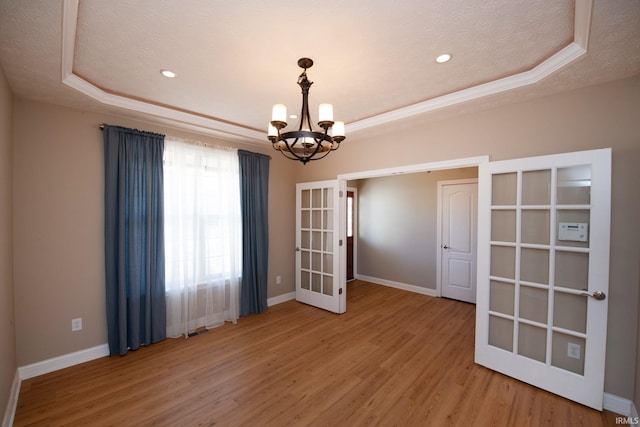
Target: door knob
445	247
297	249
598	295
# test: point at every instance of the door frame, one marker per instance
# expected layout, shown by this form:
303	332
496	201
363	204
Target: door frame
400	170
440	185
465	162
354	190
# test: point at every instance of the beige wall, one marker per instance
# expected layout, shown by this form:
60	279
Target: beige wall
58	233
595	117
397	226
7	332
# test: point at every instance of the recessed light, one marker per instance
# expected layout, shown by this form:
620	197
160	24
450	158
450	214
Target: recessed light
168	73
443	58
293	116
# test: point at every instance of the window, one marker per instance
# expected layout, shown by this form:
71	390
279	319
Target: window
203	236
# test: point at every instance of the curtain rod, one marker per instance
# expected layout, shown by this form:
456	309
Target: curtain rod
101	126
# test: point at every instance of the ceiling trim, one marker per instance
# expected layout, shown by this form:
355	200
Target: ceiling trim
559	60
202	123
567	55
562	58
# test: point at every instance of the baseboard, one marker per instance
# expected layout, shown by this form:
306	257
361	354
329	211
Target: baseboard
281	298
619	405
10	410
398	285
61	362
411	288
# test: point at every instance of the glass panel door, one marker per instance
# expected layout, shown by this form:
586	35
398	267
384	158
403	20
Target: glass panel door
544	235
317	245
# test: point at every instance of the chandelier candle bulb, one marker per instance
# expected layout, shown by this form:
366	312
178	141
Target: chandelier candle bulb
325	113
279	113
338	129
273	132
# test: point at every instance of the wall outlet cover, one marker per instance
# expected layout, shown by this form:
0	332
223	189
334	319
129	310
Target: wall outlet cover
573	351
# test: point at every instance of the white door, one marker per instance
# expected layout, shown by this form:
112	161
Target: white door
318	250
543	271
458	238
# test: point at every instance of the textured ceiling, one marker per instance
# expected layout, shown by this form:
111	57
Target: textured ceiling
373	59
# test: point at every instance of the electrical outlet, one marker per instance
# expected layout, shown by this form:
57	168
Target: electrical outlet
278	280
573	350
76	324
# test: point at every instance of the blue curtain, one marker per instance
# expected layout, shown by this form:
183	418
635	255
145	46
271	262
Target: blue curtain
134	238
254	196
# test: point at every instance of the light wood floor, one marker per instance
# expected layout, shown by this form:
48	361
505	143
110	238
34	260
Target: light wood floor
395	358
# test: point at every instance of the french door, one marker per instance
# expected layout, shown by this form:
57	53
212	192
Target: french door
319	252
543	271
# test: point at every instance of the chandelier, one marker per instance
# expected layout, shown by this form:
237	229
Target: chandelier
305	144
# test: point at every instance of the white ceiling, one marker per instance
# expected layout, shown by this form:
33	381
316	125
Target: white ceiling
374	59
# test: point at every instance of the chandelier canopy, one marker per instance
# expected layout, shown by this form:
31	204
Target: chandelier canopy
305	144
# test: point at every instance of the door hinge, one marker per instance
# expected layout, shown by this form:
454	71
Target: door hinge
340	291
340	242
341	193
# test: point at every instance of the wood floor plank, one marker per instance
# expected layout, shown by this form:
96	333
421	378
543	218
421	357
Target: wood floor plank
395	358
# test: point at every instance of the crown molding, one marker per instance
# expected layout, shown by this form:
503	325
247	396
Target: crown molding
202	123
570	53
562	58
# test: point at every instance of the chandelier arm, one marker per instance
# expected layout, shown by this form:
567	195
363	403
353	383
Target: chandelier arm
289	155
318	145
300	134
305	85
291	149
322	156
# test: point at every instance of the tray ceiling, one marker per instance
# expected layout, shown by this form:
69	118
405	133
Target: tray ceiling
374	59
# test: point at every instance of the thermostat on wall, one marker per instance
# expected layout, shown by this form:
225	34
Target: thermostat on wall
573	231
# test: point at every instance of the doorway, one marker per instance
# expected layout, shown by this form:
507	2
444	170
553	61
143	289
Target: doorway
518	266
397	236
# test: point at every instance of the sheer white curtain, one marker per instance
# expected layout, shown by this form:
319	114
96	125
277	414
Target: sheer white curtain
203	236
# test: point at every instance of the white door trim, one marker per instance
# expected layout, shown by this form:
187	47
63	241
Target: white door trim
422	167
355	230
440	185
415	168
